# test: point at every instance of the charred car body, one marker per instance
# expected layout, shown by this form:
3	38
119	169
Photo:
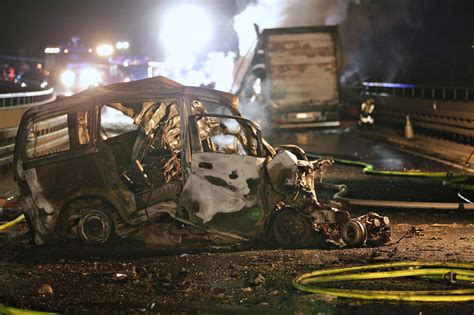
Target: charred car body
187	157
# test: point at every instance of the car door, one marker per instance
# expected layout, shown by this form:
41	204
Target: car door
224	176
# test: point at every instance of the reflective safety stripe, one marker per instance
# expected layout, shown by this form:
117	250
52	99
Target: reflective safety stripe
367	120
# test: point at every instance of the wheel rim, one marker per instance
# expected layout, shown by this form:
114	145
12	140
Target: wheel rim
354	233
290	228
95	226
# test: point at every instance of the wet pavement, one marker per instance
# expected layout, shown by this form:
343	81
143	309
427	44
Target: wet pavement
346	144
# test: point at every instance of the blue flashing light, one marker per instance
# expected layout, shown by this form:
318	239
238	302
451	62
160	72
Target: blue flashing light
389	85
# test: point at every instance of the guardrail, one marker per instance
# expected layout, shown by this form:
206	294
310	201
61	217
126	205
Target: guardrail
25	98
446	111
12	107
419	91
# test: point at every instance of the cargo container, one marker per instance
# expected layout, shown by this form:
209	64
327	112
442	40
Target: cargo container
293	73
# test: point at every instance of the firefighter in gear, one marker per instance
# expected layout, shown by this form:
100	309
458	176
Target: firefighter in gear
366	113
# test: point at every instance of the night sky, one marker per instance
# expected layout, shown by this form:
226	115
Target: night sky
417	41
33	24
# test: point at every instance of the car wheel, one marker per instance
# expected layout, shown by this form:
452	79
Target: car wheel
95	226
354	233
291	228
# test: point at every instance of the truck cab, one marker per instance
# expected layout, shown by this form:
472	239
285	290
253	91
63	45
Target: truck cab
294	74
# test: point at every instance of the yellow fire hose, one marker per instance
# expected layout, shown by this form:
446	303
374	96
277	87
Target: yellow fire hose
429	270
12	222
460	183
369	170
17	311
451	180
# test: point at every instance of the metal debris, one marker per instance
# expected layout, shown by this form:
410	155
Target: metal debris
45	289
119	276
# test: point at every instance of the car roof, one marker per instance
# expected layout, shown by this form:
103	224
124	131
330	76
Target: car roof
135	91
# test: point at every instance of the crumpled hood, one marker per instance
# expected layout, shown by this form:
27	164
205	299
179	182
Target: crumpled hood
283	171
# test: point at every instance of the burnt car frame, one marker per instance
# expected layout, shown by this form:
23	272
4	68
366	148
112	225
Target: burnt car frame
193	160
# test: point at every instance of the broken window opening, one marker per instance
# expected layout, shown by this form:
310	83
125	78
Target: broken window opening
225	134
114	123
147	154
158	147
47	137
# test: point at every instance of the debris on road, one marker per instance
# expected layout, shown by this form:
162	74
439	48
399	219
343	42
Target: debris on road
119	276
45	289
255	279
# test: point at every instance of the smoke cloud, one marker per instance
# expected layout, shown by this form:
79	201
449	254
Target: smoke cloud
284	13
377	36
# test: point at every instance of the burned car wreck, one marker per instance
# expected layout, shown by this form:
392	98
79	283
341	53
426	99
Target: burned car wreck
186	163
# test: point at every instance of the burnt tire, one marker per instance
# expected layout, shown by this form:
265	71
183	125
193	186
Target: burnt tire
290	228
354	233
96	226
